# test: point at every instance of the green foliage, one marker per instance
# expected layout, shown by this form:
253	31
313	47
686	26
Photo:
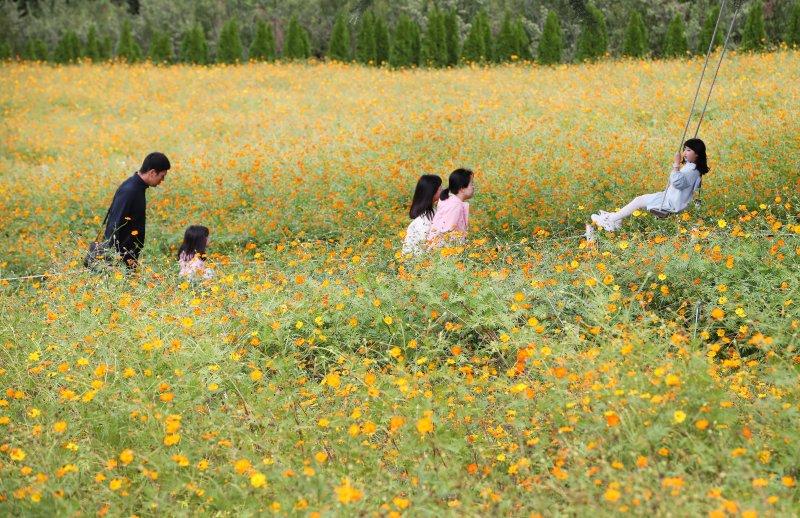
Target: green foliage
339	46
406	45
106	47
92	49
365	39
6	52
755	35
68	49
229	46
451	37
434	42
194	47
263	46
479	44
127	48
161	49
708	31
593	41
506	45
512	41
297	45
523	42
635	44
675	43
792	36
37	50
551	44
383	45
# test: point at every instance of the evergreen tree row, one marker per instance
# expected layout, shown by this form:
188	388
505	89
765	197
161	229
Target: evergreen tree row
437	44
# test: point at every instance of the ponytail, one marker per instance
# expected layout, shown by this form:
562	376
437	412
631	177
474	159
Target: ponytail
459	179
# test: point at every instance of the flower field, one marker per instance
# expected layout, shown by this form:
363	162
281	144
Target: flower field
655	371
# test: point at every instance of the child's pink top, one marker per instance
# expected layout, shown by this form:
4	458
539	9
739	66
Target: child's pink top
195	268
452	215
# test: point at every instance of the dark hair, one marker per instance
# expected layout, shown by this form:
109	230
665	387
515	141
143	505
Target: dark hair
157	161
422	203
194	242
697	145
459	179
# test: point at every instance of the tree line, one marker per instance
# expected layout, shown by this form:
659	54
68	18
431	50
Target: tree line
370	32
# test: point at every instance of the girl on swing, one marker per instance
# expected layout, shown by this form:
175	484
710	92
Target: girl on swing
683	181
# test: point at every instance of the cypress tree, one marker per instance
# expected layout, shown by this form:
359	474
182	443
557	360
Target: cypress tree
416	43
635	43
708	31
506	45
161	49
593	41
306	40
6	52
406	46
127	48
551	45
523	42
68	48
488	38
194	47
793	27
339	46
365	40
37	50
382	42
106	47
475	49
229	45
92	50
263	46
675	43
434	43
451	37
755	35
297	45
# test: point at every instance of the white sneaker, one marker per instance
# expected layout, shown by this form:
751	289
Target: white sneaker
605	222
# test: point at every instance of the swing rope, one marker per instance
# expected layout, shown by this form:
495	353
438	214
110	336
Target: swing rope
737	7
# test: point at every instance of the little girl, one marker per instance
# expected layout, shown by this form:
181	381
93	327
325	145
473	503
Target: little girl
192	252
683	181
429	187
452	215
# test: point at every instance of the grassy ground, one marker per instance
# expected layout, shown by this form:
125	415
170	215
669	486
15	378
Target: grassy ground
652	372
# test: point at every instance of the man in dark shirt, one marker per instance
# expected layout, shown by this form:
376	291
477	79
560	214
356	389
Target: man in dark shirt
125	229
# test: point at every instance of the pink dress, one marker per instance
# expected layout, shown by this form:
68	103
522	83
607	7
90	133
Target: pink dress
195	268
451	220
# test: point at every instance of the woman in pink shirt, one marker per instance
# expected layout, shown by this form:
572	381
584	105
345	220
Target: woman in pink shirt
452	215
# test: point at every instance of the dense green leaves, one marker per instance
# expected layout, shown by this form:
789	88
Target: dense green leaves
194	47
262	47
755	35
161	49
128	49
635	37
551	44
793	27
339	46
406	47
675	43
434	43
229	47
708	31
479	44
297	45
593	41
